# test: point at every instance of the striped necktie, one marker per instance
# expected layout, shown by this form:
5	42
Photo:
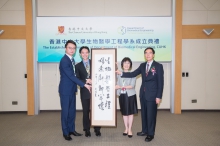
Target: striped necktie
147	69
73	63
87	69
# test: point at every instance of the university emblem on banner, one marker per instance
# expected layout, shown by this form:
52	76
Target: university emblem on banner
61	29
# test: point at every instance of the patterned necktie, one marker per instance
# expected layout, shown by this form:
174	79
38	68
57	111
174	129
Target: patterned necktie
73	63
87	69
147	69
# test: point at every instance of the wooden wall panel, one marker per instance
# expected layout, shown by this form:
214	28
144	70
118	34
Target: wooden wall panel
29	57
13	32
196	31
178	57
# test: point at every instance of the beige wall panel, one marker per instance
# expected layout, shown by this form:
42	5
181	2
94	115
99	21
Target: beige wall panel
192	5
195	17
59	8
13	67
213	17
48	82
92	8
138	8
104	8
216	6
2	3
208	3
13	5
193	61
12	18
212	75
165	103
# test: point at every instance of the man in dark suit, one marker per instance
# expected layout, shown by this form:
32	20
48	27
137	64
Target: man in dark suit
67	90
83	73
150	92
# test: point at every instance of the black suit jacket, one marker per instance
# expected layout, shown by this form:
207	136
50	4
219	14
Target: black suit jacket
153	83
81	74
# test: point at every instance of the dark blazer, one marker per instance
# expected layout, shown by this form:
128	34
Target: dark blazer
153	83
81	74
68	80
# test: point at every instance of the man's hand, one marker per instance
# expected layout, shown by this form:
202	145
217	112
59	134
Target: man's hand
158	100
88	87
117	87
118	72
89	81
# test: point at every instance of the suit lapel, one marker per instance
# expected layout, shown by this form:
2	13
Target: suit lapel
83	67
150	75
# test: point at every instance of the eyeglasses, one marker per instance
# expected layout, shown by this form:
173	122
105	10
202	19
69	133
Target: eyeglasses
148	52
71	48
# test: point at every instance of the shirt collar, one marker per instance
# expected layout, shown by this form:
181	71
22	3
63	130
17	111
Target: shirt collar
71	57
150	62
84	62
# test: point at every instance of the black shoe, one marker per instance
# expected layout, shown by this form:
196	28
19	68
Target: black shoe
97	133
141	134
130	136
75	133
149	138
125	134
87	133
67	137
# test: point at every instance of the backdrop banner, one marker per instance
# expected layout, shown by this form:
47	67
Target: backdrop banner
130	35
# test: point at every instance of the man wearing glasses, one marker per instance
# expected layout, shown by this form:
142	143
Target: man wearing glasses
150	92
67	90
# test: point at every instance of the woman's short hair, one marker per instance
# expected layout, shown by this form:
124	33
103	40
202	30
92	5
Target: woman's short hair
124	60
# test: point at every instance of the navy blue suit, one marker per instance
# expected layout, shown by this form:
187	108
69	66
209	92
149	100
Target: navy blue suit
151	88
67	90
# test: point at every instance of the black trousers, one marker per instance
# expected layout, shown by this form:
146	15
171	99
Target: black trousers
148	116
86	115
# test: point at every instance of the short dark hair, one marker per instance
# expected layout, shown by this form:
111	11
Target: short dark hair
124	60
83	47
150	49
70	41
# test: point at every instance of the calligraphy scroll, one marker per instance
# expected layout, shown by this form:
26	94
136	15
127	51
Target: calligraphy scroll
103	97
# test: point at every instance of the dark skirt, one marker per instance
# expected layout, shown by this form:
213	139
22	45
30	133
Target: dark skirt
128	105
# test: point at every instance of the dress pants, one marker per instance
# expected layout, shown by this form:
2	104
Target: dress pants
86	115
148	116
68	113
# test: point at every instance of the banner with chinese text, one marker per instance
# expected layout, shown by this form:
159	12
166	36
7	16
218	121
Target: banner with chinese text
130	35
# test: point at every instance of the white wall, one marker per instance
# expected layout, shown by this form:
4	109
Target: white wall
200	57
49	72
13	86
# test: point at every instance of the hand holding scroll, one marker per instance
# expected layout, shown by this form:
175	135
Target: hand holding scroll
89	81
118	72
88	87
117	87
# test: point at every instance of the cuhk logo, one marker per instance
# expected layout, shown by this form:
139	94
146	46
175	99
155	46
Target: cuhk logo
61	29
